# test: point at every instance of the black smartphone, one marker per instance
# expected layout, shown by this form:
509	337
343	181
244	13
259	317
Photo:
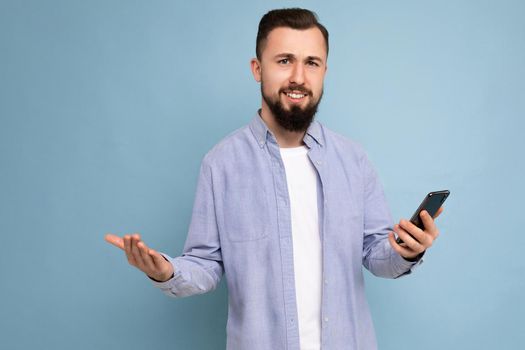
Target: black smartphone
431	204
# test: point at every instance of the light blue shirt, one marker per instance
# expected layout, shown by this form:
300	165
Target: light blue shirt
241	226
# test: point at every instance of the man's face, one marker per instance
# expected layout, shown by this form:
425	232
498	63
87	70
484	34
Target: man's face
291	72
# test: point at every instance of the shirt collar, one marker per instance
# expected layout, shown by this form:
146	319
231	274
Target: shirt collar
260	131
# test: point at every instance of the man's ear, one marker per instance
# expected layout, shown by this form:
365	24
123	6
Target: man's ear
255	66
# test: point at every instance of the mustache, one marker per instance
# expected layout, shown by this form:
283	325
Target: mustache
296	87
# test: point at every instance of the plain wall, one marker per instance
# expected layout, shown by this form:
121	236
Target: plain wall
107	108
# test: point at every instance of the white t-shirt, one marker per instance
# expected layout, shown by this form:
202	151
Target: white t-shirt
301	178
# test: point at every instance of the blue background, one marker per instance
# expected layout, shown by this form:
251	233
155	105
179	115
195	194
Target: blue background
107	108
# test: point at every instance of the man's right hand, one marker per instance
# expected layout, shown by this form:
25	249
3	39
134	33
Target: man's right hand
153	264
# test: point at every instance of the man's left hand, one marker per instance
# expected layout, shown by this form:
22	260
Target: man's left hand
415	240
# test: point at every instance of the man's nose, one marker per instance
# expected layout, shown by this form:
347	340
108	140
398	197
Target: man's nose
297	76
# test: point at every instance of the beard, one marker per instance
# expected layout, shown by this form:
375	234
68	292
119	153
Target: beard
296	118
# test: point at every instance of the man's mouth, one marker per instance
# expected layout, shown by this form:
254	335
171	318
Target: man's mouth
295	96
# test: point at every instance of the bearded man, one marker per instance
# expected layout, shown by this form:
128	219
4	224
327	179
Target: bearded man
290	211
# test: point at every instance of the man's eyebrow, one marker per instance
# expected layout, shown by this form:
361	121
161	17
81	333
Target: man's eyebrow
291	55
284	55
314	58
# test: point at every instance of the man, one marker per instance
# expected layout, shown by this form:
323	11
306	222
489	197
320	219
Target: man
290	211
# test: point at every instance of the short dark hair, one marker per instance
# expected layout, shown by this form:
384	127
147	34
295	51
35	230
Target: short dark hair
295	18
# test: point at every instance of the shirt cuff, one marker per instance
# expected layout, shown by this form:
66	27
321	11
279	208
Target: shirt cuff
405	266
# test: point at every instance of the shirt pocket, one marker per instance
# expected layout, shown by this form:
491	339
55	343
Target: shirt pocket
246	214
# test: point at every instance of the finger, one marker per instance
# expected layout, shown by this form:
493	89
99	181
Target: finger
148	260
401	250
418	234
158	259
412	229
409	240
127	249
404	235
135	251
440	210
430	226
115	240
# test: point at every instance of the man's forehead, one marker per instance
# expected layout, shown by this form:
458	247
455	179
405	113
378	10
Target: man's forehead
299	42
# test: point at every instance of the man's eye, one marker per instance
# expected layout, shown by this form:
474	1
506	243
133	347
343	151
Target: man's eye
284	61
313	63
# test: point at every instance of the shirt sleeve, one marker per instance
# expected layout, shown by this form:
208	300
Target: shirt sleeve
199	269
378	255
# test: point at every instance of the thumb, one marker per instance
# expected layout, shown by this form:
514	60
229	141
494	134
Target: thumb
115	240
158	258
161	262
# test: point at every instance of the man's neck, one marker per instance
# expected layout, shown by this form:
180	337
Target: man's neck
285	138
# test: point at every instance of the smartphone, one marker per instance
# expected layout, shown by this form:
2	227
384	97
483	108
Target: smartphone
431	204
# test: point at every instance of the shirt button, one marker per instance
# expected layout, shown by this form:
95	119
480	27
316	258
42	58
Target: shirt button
326	319
319	162
325	281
